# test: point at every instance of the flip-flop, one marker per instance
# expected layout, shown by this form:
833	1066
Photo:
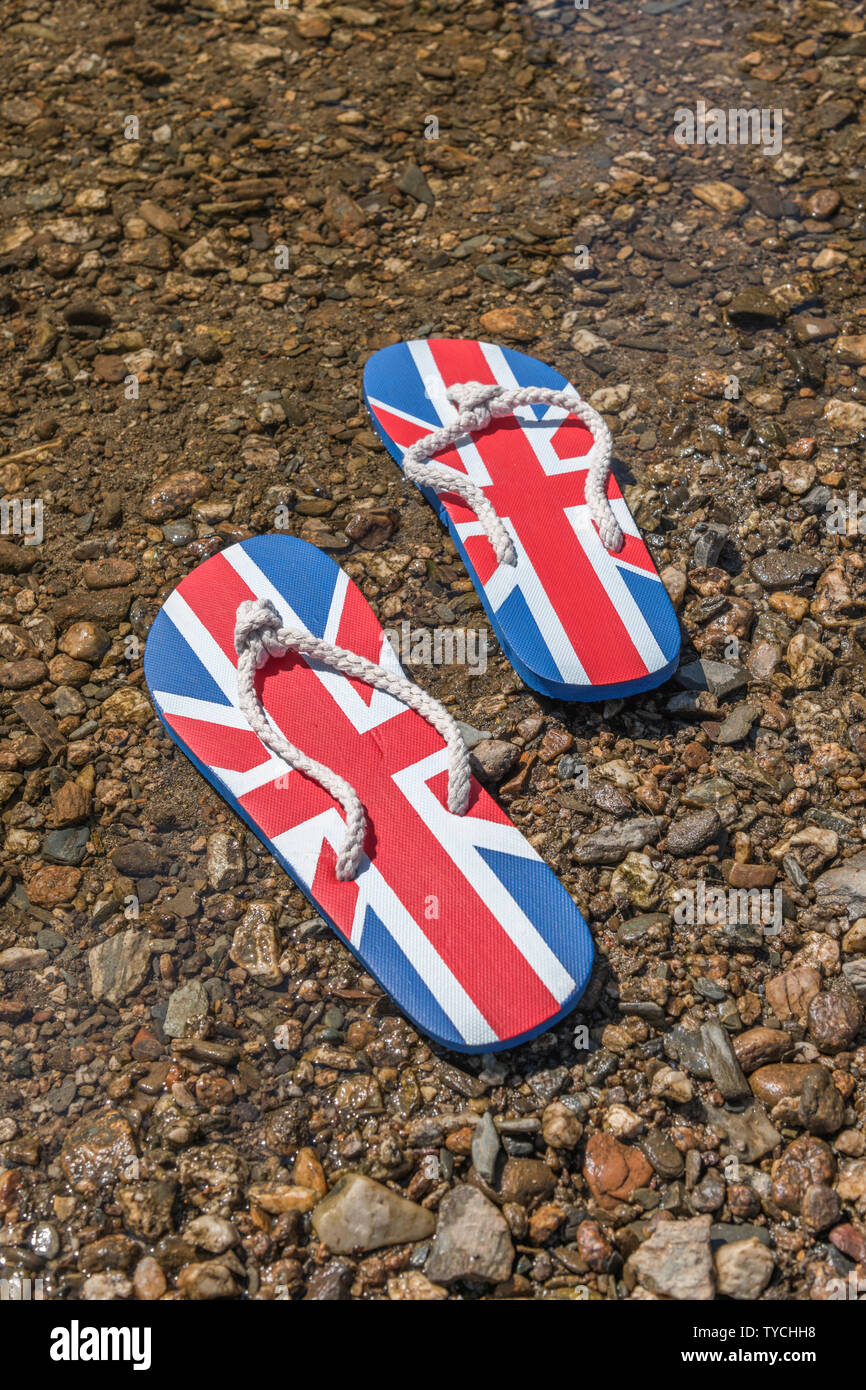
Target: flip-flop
376	818
522	480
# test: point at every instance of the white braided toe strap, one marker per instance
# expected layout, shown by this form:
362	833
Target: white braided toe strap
259	635
476	406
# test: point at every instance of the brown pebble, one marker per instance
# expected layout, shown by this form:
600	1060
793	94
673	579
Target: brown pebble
613	1170
52	885
834	1021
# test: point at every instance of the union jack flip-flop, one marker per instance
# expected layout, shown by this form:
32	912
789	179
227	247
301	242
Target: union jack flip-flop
270	670
522	480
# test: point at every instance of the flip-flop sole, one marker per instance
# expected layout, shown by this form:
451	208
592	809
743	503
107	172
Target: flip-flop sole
576	621
457	917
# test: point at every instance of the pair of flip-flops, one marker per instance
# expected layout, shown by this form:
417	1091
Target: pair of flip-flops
270	670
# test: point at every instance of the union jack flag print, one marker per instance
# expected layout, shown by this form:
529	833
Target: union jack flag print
576	620
457	917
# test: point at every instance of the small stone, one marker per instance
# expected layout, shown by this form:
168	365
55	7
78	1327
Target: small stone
21	675
758	1047
822	203
614	1170
44	1240
360	1214
635	880
212	1233
314	24
834	1020
516	324
146	1206
213	1177
754	303
108	573
721	1058
119	965
851	1182
672	1085
800	1094
736	725
148	1280
709	1194
97	1150
555	744
14	558
675	582
137	859
206	1281
586	343
545	1221
66	847
344	214
413	1286
721	678
526	1179
413	182
721	197
594	1247
790	994
819	1208
23	958
486	1147
225	861
784	569
560	1127
691	834
622	1122
748	1135
85	641
676	1260
807	661
855	939
744	1268
472	1241
53	885
845	417
612	843
256	944
798	475
174	496
851	1240
493	758
186	1006
610	399
275	1198
308	1172
829	115
71	804
855	973
847	883
805	1162
851	348
127	707
662	1153
145	1046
